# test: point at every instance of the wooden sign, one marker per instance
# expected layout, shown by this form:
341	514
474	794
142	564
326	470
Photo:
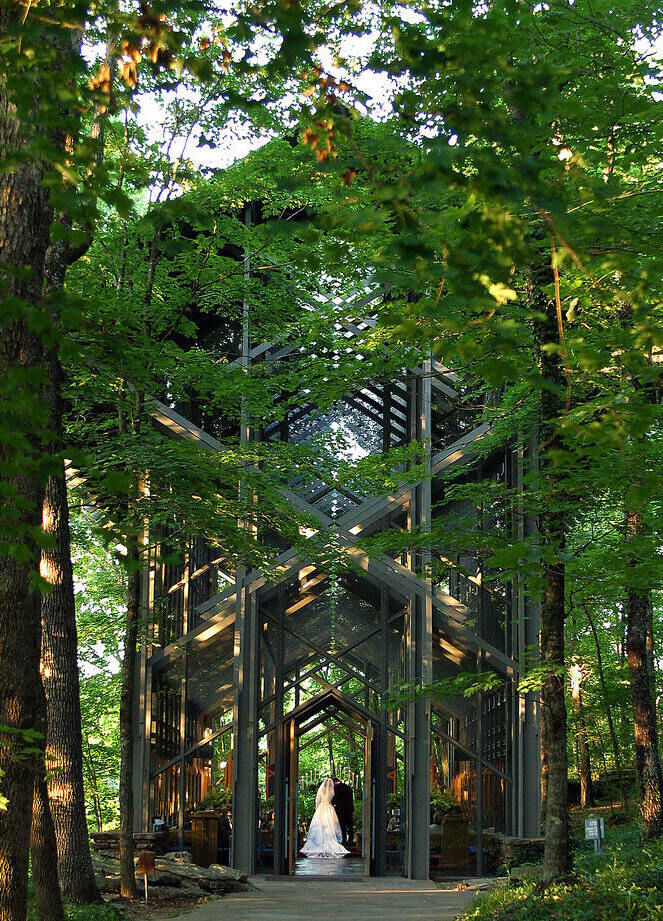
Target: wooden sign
145	862
145	866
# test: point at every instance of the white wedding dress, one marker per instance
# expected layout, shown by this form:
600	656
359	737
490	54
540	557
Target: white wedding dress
324	834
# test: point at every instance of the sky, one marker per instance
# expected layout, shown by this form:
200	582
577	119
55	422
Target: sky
237	142
377	88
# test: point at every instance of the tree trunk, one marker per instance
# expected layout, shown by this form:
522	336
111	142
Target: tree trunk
552	528
92	779
59	656
24	223
544	772
651	659
42	839
556	859
647	759
586	789
604	691
59	649
127	875
584	763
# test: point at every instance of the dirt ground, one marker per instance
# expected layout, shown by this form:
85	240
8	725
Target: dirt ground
158	909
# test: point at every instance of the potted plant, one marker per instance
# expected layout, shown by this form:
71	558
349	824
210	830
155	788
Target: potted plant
450	830
219	799
443	801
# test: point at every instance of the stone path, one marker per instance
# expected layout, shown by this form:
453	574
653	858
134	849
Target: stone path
379	899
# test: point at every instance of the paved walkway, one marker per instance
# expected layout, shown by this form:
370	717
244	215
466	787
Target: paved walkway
379	899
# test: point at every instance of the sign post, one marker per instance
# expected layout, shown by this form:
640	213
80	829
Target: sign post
145	866
595	831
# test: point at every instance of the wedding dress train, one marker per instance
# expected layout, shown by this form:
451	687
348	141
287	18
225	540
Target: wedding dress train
324	834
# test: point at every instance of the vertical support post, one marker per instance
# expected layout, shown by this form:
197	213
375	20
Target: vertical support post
481	628
186	572
380	765
182	774
478	827
293	758
245	743
419	648
528	713
142	704
368	799
280	774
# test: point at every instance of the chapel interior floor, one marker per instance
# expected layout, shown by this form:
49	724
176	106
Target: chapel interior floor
343	868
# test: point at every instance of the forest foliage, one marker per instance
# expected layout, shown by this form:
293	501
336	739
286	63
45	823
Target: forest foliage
503	190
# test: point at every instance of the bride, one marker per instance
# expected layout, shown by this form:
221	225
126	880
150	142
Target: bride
324	834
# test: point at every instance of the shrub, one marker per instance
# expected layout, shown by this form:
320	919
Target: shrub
626	882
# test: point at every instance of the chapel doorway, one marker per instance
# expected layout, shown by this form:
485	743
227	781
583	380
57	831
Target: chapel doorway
330	735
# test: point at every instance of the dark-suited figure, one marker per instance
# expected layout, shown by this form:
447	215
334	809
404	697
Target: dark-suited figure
343	803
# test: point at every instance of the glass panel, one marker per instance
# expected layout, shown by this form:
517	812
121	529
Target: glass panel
396	653
210	680
166	797
166	714
354	433
395	817
451	420
334	503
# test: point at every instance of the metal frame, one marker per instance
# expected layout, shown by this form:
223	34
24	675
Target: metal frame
257	607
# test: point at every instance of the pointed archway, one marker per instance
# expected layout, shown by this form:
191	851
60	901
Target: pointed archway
330	703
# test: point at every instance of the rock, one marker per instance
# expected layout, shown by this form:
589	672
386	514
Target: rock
211	879
186	870
104	853
172	892
107	883
164	878
187	885
180	856
107	864
221	886
174	871
228	872
190	890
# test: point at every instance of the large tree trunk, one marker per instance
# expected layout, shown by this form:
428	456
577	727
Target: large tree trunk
127	874
59	640
647	759
19	676
42	839
552	527
59	656
61	682
24	223
44	856
556	858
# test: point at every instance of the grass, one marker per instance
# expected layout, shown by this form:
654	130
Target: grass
81	912
625	883
101	912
